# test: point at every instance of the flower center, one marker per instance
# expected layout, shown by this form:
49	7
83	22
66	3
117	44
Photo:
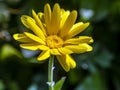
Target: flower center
54	41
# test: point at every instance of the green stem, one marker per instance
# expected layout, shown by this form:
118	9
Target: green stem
50	73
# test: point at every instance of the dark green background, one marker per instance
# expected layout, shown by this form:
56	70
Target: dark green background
97	70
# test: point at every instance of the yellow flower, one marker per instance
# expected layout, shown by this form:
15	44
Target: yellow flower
54	33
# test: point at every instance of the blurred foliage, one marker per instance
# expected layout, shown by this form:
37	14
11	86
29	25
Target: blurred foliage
97	70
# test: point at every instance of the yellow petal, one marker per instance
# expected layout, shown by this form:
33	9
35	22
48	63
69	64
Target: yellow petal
64	16
79	40
85	39
47	17
38	21
71	61
66	62
31	46
91	41
41	17
62	60
22	38
24	20
68	23
85	45
55	19
35	38
44	55
76	29
81	48
43	47
55	52
27	21
64	50
34	46
62	11
73	41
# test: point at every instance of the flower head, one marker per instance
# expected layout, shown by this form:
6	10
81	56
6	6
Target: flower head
54	33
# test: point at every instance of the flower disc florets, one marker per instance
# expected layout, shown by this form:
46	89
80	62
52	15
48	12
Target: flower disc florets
54	41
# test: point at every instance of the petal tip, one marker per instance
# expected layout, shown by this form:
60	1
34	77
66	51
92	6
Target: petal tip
44	55
89	49
14	36
47	5
33	12
74	13
91	41
87	24
56	5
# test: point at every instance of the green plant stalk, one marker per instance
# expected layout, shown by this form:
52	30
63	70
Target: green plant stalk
50	73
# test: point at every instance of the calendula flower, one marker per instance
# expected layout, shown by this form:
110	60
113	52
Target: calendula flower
54	33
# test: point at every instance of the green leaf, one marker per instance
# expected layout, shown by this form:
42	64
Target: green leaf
104	58
92	82
13	86
2	86
59	84
8	51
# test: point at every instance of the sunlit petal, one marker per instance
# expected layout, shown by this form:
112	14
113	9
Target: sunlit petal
65	50
43	47
85	39
64	17
24	20
27	21
62	11
62	60
76	29
55	52
35	38
68	23
81	48
71	61
91	41
66	62
44	55
73	41
88	47
34	46
41	17
22	38
38	21
47	16
55	19
79	40
30	46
